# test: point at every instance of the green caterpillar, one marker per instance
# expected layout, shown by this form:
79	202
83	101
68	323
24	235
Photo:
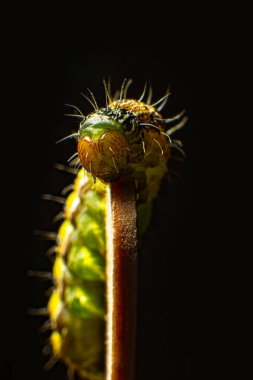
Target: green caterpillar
126	138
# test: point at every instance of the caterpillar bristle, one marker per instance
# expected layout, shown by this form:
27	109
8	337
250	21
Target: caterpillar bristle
128	84
49	292
143	93
73	115
174	118
76	108
176	174
160	100
109	86
40	274
115	164
67	189
64	168
50	253
72	157
53	198
74	162
178	142
144	149
79	166
151	126
73	135
150	93
50	363
177	127
162	105
58	217
87	98
175	146
116	94
43	311
107	95
167	136
158	145
122	89
47	326
93	97
47	235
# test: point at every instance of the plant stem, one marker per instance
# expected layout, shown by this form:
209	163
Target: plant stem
121	280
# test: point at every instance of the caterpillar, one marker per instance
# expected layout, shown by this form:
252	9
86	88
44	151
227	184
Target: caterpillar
126	138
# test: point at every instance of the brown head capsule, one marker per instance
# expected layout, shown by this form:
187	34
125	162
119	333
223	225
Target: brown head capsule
126	137
105	157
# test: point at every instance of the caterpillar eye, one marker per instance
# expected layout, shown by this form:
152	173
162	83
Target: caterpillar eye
106	157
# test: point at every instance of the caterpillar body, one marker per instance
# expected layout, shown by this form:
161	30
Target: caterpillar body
126	138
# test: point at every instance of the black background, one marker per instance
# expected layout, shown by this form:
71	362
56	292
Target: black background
50	61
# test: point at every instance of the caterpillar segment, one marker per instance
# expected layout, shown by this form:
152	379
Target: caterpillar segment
126	138
77	306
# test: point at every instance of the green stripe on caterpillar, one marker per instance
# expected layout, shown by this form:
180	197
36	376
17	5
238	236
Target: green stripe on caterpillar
126	138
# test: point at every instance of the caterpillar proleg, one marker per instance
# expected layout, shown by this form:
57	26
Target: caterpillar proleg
126	139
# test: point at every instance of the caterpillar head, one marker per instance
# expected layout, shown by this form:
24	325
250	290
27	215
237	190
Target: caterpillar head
127	137
104	143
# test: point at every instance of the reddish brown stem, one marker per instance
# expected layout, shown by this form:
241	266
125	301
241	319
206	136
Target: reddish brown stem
121	281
